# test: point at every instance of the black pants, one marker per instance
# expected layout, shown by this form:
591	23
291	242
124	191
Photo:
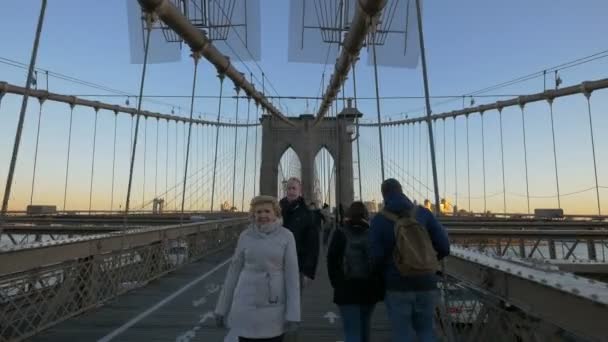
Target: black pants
272	339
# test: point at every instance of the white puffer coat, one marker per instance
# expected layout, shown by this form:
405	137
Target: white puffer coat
262	289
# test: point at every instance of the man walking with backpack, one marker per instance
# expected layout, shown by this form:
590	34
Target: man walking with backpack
407	243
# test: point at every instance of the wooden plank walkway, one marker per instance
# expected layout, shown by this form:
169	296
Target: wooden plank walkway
178	308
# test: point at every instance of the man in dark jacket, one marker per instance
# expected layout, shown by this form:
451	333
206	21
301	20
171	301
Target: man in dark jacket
300	221
410	300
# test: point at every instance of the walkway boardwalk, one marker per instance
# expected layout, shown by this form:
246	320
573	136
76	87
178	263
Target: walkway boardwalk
178	308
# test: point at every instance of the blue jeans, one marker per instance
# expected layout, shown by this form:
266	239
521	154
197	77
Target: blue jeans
412	315
356	322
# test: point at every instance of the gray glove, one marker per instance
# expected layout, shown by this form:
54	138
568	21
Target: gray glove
219	321
292	326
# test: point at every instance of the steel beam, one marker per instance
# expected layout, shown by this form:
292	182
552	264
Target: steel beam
351	45
198	42
75	101
573	303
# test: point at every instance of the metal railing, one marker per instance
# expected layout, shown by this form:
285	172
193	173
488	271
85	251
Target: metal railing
44	284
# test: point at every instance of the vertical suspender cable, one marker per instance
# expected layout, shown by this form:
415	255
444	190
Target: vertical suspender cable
445	182
255	153
428	105
236	135
559	204
455	169
420	162
41	101
523	126
28	83
354	63
597	188
468	163
67	163
141	91
167	164
93	159
483	164
156	164
407	155
113	162
217	136
374	28
175	184
143	190
195	57
502	158
246	153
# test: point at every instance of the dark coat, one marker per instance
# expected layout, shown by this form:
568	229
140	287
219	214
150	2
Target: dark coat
349	292
382	236
300	221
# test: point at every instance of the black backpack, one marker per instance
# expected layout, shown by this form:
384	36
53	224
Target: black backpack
356	262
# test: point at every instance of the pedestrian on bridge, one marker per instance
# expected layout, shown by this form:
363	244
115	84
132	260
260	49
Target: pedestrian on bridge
357	286
260	299
406	243
300	221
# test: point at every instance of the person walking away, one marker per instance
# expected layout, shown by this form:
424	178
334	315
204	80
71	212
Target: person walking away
357	288
407	242
299	220
260	298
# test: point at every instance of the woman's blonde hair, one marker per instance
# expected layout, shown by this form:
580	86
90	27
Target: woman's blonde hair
264	199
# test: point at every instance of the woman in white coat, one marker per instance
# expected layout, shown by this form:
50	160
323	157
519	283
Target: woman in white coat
260	299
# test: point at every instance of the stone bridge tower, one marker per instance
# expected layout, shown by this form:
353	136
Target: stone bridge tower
306	139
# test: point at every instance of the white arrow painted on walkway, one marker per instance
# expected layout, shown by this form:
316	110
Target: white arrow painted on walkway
206	316
331	317
213	288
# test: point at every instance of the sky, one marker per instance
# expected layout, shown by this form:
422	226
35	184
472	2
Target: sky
469	45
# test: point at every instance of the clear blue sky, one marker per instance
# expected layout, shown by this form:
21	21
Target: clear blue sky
470	45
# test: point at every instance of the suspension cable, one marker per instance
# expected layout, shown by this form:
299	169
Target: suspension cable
67	165
597	188
374	23
93	160
523	125
31	68
483	163
41	102
149	20
502	158
428	106
113	161
195	57
559	205
217	136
